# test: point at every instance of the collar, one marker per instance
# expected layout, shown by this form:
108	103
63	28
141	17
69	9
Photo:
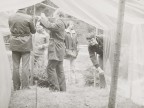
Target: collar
70	31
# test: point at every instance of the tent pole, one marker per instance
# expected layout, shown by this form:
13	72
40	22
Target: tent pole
114	76
32	53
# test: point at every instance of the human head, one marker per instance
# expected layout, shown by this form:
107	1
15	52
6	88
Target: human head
70	25
91	39
58	14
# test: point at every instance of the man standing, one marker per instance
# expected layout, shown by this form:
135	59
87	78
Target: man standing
21	27
56	50
95	49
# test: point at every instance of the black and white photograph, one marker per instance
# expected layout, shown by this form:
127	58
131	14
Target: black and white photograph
71	53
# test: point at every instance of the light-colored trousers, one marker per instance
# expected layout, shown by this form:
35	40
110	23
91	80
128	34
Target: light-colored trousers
70	68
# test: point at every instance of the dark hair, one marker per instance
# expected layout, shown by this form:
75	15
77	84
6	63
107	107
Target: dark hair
59	13
23	8
90	36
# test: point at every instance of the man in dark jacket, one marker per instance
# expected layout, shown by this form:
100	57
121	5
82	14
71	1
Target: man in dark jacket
21	27
95	49
56	50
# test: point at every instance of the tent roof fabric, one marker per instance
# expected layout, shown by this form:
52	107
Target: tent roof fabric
102	12
99	13
7	5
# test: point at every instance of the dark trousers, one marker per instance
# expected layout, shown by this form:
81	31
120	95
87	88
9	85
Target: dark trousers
24	80
56	76
100	59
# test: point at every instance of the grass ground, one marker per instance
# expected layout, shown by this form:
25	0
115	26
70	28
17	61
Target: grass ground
77	95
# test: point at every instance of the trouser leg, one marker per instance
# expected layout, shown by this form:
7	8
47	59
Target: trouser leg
101	75
100	58
16	56
25	69
72	70
61	76
52	76
66	69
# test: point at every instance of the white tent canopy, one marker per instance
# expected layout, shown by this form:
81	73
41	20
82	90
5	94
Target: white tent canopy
102	14
7	5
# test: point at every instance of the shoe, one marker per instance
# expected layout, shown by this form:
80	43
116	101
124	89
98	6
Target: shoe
26	87
53	90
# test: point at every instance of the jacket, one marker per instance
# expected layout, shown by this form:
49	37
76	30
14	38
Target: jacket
21	27
56	48
96	49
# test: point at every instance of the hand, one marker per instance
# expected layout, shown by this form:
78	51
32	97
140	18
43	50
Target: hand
100	70
37	17
43	15
40	47
43	19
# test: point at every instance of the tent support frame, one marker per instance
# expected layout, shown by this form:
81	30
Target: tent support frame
114	76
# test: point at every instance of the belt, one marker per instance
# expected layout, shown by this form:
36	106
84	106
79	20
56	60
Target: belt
56	40
20	35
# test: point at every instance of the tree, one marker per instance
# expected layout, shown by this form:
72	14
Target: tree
114	80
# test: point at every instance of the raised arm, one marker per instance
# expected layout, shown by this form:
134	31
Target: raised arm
32	27
52	26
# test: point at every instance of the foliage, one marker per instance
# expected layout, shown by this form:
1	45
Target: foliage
89	77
